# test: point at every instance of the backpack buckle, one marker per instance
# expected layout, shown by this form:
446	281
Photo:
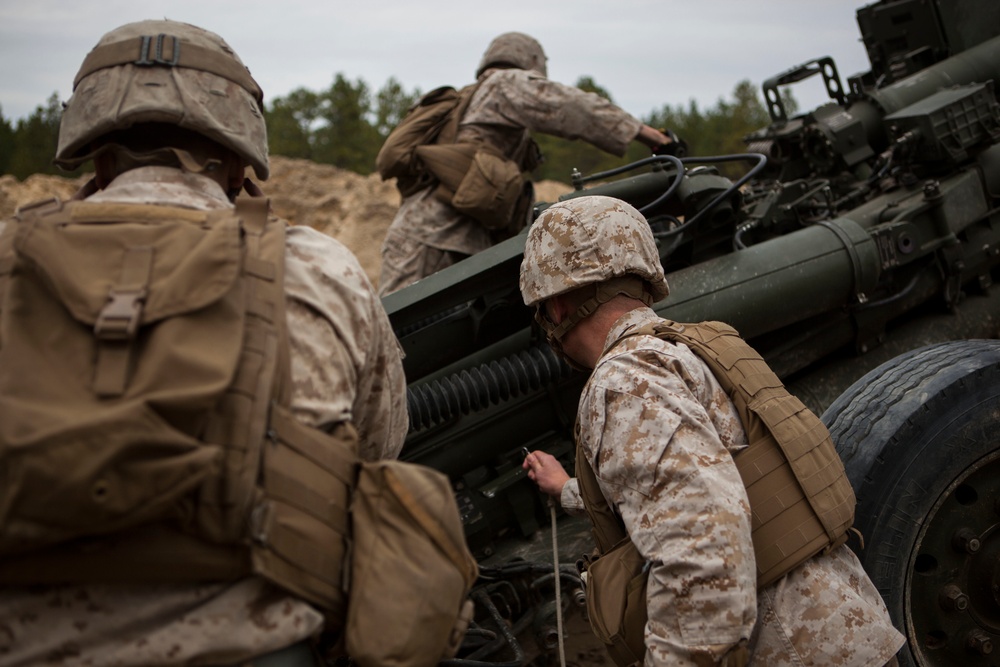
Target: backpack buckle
119	319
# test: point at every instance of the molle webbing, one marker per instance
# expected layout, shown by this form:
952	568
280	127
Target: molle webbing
801	500
275	503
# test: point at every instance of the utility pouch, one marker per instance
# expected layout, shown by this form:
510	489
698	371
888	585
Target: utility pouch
490	190
616	601
411	568
477	182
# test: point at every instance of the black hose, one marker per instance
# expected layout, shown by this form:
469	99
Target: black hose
761	163
508	637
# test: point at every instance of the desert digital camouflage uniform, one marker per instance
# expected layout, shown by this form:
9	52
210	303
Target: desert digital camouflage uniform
428	235
346	364
660	432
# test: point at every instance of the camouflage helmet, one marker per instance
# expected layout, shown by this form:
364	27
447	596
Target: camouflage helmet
514	49
164	72
586	241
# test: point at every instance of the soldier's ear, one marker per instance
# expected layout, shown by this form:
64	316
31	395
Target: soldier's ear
557	308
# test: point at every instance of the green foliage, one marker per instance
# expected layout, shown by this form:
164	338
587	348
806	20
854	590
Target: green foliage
715	131
346	137
391	104
720	130
34	142
289	124
6	142
344	125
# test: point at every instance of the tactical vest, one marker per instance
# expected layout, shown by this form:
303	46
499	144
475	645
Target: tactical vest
145	429
801	501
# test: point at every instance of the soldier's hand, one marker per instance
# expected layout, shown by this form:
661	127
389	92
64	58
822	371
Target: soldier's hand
546	471
676	146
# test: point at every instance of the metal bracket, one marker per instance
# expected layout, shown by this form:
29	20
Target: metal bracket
158	59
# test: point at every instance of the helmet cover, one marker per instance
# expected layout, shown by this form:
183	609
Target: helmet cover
165	72
514	49
585	241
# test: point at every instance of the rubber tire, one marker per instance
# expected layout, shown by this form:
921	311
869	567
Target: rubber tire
906	431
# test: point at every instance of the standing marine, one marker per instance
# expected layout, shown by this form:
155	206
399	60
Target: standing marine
470	187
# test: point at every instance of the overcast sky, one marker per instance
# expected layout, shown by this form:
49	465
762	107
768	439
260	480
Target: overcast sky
646	53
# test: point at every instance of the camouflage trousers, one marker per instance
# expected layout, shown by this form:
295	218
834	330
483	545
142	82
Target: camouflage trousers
406	260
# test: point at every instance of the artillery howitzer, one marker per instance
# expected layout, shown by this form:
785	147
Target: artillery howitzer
857	254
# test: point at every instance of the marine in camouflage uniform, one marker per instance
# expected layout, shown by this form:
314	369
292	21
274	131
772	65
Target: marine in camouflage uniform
514	98
659	433
345	364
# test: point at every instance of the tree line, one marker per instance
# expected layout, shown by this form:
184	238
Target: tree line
346	124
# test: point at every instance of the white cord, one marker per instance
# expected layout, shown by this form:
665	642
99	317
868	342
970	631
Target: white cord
555	568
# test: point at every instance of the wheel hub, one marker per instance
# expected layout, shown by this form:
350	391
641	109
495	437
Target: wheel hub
953	602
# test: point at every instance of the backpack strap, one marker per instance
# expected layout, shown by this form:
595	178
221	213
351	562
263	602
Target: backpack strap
7	255
449	131
6	260
118	322
608	528
300	526
442	133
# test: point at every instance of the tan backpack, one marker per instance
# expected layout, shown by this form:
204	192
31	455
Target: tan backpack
436	113
145	434
800	498
144	388
476	179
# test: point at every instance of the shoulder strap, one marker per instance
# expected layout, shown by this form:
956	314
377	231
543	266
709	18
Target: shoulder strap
449	131
608	527
6	258
269	267
300	524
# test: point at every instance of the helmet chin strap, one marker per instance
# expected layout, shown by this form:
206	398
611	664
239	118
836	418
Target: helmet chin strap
630	286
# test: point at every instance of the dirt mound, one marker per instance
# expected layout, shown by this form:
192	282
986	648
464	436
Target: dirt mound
352	208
